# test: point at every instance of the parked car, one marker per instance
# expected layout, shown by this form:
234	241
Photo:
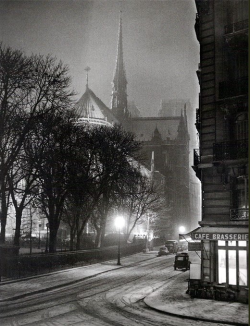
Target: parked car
172	246
163	251
182	261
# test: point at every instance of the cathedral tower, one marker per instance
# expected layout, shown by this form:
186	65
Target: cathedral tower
119	90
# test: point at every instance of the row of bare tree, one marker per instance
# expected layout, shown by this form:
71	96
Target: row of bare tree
69	172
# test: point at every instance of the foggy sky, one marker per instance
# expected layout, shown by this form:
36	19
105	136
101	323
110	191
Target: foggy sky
161	53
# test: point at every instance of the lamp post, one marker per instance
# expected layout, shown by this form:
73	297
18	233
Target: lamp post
47	238
39	235
119	223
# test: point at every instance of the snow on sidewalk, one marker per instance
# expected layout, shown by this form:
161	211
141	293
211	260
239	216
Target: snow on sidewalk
172	298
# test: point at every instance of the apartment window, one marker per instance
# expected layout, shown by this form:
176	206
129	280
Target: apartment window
232	262
242	193
241	127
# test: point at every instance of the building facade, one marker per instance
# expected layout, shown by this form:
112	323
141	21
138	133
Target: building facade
221	163
167	136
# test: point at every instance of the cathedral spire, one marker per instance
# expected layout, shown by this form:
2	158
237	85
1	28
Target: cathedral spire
119	91
87	69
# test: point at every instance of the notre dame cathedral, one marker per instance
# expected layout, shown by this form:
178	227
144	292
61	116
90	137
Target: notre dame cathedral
165	137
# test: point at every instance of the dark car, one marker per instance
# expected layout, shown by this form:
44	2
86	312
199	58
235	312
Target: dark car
182	261
163	251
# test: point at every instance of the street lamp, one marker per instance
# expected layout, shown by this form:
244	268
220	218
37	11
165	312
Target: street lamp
182	229
39	234
47	238
119	223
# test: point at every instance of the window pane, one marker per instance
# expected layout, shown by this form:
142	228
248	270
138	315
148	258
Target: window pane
222	265
242	243
242	267
232	267
232	243
221	243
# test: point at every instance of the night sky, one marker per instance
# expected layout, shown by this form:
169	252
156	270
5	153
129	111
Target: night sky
161	53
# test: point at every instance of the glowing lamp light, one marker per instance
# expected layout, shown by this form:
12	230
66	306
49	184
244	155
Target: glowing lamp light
119	222
182	229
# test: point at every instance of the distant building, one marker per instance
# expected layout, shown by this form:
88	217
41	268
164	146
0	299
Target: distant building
134	111
172	108
91	110
221	162
119	103
168	137
165	137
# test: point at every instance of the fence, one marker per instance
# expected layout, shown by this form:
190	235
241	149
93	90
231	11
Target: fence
19	266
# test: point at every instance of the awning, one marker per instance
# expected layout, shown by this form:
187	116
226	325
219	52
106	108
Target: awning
187	236
218	233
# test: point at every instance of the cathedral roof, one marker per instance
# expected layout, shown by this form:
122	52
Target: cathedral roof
144	128
91	107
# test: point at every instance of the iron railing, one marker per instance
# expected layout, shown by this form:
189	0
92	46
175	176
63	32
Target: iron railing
230	150
237	214
236	27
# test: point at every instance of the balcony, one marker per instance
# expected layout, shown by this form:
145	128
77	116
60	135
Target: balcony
197	161
236	35
198	119
233	88
197	158
236	27
239	214
230	150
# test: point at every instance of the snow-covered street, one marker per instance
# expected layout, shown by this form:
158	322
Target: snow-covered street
107	294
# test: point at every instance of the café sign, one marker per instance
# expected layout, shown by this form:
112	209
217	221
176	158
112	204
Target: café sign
220	236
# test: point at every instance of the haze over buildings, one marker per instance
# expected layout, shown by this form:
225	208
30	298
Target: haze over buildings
160	48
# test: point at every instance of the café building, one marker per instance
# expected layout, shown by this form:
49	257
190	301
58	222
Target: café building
224	259
221	161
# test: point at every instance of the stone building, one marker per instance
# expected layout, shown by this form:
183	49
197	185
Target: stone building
221	163
168	138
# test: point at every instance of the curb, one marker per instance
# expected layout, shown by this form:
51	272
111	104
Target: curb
193	318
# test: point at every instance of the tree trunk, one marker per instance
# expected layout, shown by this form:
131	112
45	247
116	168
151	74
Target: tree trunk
4	211
98	238
103	230
72	235
18	226
78	241
52	239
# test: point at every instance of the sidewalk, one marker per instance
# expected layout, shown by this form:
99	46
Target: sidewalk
170	298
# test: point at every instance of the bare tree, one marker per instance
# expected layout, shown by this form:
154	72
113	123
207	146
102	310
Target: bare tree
29	86
22	187
53	141
14	80
115	148
141	198
81	198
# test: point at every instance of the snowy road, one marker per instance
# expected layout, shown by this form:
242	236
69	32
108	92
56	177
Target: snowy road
111	298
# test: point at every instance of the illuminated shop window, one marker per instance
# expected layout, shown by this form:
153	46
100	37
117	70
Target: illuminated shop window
242	267
232	278
232	262
222	265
